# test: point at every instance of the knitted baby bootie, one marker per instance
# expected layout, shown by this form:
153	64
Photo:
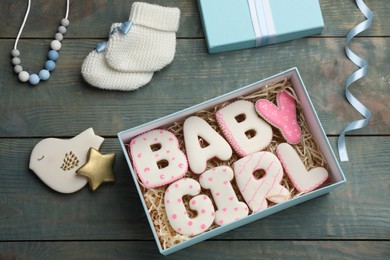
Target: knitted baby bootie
147	42
98	73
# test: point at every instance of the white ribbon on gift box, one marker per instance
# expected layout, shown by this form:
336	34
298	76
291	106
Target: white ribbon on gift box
262	21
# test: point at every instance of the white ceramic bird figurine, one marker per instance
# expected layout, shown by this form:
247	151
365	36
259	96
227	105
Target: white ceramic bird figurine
55	161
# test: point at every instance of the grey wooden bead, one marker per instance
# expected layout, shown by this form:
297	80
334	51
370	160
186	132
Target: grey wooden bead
15	53
16	61
65	22
18	69
59	36
62	29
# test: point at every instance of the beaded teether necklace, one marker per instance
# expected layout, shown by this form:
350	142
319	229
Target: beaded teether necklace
55	46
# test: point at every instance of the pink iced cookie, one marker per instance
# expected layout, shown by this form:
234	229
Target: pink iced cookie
243	128
217	180
177	213
195	128
303	180
255	191
157	158
282	116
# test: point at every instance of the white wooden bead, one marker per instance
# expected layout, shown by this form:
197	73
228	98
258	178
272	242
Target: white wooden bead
55	45
23	76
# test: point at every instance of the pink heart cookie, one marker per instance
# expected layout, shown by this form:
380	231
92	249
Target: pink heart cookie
283	116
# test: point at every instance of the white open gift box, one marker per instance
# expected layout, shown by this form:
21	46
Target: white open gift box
336	176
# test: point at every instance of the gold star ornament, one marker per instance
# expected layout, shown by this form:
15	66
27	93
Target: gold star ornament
98	168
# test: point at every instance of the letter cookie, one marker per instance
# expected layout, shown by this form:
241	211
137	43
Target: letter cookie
257	191
195	127
218	181
177	213
303	180
243	128
157	158
282	116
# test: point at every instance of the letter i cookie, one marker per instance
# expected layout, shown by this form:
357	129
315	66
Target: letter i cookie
157	158
177	213
229	207
283	116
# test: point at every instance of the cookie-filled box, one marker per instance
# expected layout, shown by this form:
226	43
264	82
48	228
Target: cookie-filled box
239	24
229	161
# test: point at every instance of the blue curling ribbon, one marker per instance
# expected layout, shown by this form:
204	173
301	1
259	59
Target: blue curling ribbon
360	73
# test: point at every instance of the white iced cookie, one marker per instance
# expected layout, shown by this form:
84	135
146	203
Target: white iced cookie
195	128
256	191
243	128
157	158
55	161
303	180
217	180
177	213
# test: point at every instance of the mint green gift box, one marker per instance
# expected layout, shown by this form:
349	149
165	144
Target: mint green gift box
239	24
336	175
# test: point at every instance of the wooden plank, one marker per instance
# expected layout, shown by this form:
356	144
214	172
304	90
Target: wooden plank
92	19
204	250
341	17
88	19
65	104
31	211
